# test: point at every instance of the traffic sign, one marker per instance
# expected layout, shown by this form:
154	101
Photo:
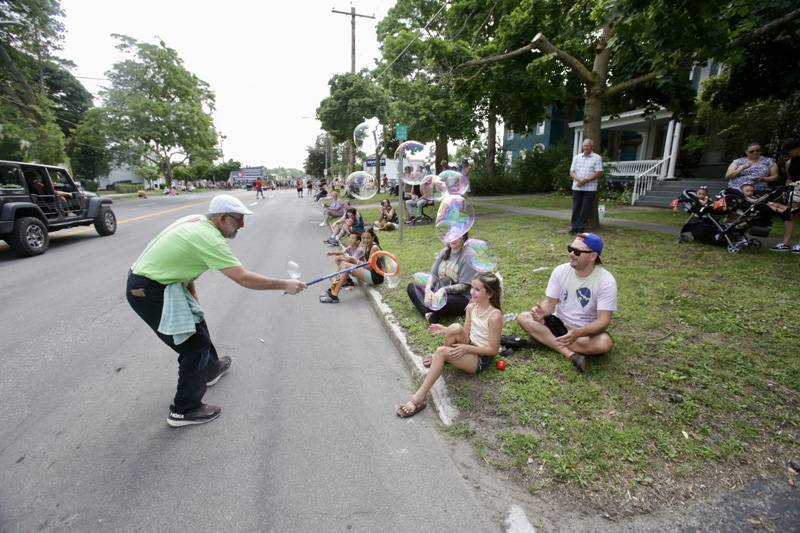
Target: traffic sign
401	132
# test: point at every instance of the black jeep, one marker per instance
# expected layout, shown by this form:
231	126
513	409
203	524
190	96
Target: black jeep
37	199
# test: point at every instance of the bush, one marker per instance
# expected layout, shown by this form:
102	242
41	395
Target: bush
544	171
127	187
89	185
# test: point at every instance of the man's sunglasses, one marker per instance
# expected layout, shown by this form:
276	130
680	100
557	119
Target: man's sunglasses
239	219
577	251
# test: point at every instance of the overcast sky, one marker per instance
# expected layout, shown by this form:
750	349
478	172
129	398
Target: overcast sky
267	62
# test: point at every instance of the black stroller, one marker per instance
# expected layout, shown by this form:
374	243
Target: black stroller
730	219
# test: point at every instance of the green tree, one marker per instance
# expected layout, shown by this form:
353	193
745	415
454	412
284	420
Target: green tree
353	98
29	130
89	151
314	164
157	113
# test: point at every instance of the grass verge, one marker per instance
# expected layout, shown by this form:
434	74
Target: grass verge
700	390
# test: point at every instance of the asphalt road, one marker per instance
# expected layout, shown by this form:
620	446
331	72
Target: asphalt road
307	441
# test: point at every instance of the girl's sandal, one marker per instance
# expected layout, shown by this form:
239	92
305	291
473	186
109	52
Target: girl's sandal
402	413
427	361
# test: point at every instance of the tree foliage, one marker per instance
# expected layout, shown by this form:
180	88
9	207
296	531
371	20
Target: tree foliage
156	112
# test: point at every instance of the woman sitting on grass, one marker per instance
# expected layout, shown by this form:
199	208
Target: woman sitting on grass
388	217
370	245
470	347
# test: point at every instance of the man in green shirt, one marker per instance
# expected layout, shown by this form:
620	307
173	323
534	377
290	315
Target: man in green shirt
161	290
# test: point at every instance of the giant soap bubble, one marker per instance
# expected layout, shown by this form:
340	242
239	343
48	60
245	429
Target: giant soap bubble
361	185
439	297
416	158
481	259
431	188
454	181
368	137
454	218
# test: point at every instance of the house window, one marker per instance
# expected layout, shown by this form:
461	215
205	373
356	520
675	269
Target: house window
509	158
509	134
540	128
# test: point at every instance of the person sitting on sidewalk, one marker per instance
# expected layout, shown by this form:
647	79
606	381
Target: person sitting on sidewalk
352	255
350	223
334	209
581	297
370	244
470	347
452	272
388	217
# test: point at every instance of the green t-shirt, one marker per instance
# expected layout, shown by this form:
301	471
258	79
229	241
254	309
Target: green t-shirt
184	250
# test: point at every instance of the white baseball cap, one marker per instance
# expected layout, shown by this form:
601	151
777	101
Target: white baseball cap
225	203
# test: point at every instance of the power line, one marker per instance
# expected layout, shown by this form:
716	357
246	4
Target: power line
412	41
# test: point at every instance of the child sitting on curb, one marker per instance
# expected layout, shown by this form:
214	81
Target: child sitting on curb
470	347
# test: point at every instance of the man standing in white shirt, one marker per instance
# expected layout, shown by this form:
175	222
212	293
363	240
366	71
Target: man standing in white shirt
585	169
581	296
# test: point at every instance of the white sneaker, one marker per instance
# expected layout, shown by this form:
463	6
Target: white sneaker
321	223
780	247
796	249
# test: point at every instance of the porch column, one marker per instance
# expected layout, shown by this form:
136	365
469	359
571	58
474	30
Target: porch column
676	141
575	143
667	148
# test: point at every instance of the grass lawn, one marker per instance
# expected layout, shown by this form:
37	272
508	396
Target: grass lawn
701	389
614	209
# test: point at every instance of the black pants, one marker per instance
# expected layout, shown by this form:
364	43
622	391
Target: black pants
582	202
146	297
456	303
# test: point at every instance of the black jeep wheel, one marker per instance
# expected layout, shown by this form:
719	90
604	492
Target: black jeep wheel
106	222
28	237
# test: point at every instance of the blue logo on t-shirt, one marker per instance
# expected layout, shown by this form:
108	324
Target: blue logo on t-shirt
584	295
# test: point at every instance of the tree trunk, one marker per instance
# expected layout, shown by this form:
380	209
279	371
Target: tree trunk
491	144
351	164
441	152
592	117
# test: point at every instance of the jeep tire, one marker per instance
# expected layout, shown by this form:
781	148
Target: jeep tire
28	237
106	222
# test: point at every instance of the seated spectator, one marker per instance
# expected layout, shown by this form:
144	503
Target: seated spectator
418	201
470	347
322	193
334	209
452	272
702	195
748	190
790	211
370	245
580	298
388	217
350	223
761	171
352	255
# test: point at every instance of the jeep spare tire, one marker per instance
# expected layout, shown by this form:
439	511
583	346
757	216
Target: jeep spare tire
28	237
106	222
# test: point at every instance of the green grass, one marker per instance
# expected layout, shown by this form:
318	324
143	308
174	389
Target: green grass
693	320
616	210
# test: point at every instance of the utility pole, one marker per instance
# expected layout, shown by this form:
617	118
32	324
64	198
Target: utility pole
353	16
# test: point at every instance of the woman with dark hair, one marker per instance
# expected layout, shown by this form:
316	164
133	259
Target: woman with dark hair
470	347
755	168
388	217
452	273
369	244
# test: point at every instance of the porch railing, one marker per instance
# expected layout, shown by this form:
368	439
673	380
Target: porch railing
645	173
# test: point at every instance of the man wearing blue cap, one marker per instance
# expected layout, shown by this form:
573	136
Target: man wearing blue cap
581	296
161	290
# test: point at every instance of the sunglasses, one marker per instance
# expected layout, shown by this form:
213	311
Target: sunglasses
238	219
757	150
577	251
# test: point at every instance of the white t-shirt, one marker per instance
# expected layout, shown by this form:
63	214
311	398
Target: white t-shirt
579	299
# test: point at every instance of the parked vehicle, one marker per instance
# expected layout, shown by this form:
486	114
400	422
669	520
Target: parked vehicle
38	199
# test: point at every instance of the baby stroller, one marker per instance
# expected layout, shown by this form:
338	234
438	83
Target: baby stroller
729	218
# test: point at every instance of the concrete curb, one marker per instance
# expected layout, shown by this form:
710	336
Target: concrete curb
441	400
